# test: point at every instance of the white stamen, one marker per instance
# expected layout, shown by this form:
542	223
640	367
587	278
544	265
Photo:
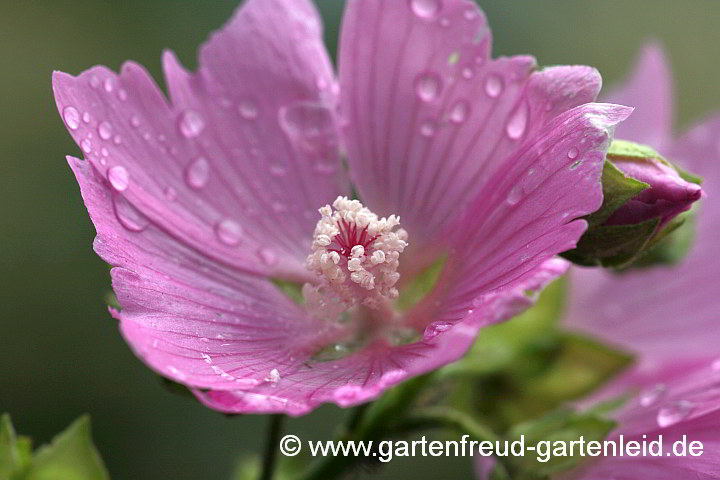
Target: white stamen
355	256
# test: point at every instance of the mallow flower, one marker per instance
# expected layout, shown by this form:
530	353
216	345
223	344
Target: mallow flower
240	187
667	315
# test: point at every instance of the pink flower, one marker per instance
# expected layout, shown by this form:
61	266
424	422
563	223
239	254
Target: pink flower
200	201
666	316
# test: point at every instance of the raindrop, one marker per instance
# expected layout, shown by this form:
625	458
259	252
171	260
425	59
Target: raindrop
117	139
470	14
198	173
94	82
652	395
129	216
108	85
459	111
72	117
170	193
86	145
104	151
135	121
444	22
267	256
191	124
273	376
248	109
572	153
517	124
515	195
716	365
228	232
86	117
436	328
122	94
427	86
277	170
493	85
310	126
672	414
425	8
118	177
428	128
105	130
467	73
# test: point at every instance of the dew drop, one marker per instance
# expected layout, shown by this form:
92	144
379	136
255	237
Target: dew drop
170	193
105	130
515	195
273	376
191	124
425	8
444	22
674	413
493	85
652	395
470	14
135	121
198	173
310	126
248	109
428	128
122	94
117	139
94	82
104	152
467	73
459	112
435	329
517	123
715	366
228	232
267	256
118	177
572	153
86	145
129	216
72	117
278	170
86	117
427	86
108	85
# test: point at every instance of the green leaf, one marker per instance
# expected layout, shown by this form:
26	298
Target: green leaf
618	188
553	430
70	456
14	451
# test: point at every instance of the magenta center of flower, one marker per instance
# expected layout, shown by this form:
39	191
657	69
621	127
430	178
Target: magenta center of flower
355	257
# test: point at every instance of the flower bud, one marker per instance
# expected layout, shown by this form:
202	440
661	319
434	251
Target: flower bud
643	196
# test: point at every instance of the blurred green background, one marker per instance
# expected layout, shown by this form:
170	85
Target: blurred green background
60	352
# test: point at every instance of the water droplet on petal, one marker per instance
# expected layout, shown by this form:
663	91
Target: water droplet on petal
170	193
229	232
86	117
191	124
515	195
267	256
86	145
94	81
428	86
716	365
517	123
572	153
674	413
470	14
72	117
436	328
278	170
493	85
428	128
248	109
198	173
108	85
117	139
310	126
105	130
122	94
652	395
467	73
425	8
445	22
104	152
135	121
459	111
118	177
129	216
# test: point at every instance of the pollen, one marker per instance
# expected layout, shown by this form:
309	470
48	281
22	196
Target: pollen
355	256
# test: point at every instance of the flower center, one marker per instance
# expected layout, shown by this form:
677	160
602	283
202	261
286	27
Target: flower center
355	256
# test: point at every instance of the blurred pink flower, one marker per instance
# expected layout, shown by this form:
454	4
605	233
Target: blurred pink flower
199	202
666	316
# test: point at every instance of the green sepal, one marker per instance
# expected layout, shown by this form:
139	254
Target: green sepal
618	189
560	426
15	452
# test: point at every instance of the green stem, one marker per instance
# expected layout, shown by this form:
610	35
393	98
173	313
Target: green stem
271	447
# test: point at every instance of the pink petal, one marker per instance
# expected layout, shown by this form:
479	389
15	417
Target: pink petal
649	89
237	165
366	374
526	213
429	117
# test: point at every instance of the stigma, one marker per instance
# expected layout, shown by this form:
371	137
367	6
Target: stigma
355	257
